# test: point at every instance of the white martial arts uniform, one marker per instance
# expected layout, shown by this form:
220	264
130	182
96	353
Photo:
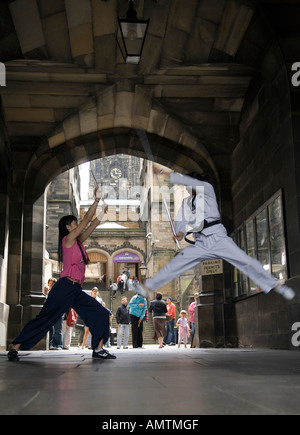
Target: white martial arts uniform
212	243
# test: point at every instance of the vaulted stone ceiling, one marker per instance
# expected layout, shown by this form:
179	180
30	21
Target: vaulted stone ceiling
199	60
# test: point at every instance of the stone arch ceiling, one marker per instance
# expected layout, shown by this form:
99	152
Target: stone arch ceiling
68	87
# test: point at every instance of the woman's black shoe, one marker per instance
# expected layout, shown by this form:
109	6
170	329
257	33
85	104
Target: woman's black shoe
13	355
103	354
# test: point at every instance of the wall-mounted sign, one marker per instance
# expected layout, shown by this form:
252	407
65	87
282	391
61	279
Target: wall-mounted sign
212	267
127	256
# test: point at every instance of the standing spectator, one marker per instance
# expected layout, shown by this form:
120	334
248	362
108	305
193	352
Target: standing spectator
114	288
67	328
170	335
51	282
137	310
121	282
95	295
46	291
111	316
158	309
145	321
129	283
183	328
80	326
192	316
55	333
124	280
122	318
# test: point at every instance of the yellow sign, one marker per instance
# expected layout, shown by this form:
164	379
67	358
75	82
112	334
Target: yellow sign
212	267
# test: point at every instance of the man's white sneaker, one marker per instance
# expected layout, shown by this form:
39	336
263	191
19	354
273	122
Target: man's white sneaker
286	292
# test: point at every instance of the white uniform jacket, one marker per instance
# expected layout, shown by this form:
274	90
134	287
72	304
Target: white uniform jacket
191	215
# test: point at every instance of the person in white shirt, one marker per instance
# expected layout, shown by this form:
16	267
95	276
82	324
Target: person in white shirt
199	215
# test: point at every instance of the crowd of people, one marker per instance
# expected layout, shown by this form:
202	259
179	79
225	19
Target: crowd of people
123	282
169	329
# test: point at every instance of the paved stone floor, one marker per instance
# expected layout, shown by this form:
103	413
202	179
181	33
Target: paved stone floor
152	381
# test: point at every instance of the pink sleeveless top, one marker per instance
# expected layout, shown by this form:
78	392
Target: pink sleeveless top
73	264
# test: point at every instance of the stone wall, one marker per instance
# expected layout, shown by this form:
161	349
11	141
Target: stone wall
263	163
263	322
4	216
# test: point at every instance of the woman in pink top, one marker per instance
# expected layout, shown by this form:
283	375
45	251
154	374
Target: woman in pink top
192	315
67	292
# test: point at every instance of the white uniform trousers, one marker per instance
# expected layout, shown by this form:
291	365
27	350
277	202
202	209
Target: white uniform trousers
210	247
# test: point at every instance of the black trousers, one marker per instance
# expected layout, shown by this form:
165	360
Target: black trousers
137	331
65	295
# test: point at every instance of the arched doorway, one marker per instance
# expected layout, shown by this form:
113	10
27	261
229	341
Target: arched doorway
96	270
127	261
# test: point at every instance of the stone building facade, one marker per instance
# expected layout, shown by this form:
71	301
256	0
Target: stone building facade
62	199
134	232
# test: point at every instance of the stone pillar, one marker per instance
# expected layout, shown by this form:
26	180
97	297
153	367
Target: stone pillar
32	280
4	207
110	270
15	245
26	257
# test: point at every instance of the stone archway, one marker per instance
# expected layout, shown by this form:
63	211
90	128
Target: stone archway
104	126
97	267
107	125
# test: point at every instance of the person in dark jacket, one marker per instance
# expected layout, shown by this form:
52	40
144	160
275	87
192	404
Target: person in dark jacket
158	308
122	318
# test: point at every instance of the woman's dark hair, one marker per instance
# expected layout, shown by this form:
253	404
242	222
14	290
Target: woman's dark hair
62	227
198	176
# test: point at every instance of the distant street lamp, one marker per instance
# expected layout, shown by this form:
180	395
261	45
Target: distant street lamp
131	35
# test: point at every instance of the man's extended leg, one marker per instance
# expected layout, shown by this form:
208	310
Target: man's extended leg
252	268
184	261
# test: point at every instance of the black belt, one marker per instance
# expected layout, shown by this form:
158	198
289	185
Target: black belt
206	225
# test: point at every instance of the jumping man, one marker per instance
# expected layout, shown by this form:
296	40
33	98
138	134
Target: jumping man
200	212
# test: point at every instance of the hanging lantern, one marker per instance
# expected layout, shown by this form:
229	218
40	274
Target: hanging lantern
131	35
